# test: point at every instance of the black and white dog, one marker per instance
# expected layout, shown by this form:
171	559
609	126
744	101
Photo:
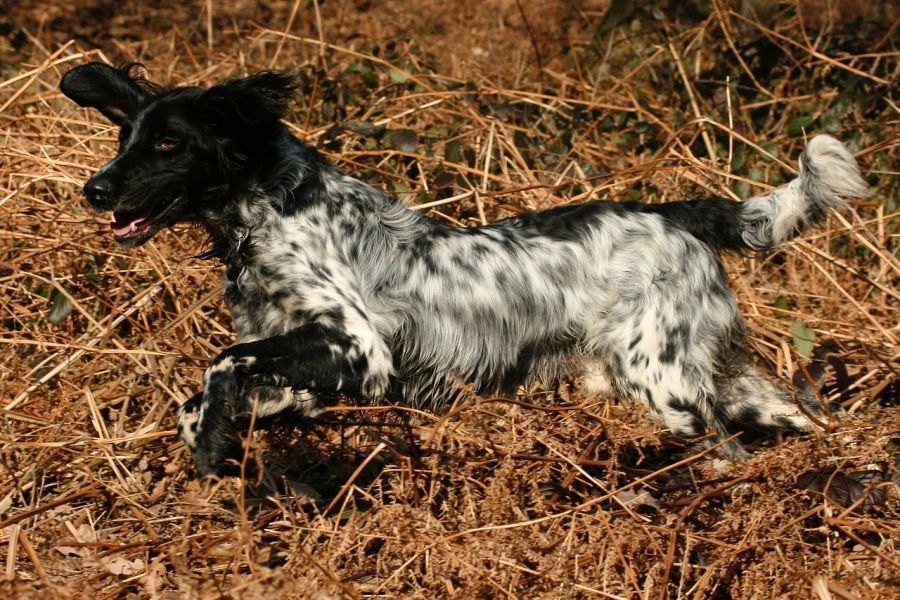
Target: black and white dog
337	287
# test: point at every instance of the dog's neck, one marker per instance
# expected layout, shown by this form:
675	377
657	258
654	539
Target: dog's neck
299	180
288	182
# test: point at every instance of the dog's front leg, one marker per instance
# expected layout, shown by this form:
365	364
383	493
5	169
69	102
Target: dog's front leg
270	376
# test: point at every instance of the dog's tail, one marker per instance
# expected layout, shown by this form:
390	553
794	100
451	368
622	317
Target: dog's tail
828	173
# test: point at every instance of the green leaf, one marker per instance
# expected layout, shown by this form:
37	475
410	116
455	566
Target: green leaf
771	149
755	173
804	337
782	305
363	128
369	77
738	159
831	123
60	307
634	195
399	75
621	139
453	151
400	187
437	132
797	126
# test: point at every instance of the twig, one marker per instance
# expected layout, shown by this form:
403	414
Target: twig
27	514
710	148
808	50
534	44
33	557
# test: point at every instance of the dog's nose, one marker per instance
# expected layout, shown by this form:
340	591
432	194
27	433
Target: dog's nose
99	192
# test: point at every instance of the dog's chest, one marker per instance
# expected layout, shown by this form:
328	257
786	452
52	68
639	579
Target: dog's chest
265	291
255	314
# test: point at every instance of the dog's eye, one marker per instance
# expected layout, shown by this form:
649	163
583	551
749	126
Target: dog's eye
165	145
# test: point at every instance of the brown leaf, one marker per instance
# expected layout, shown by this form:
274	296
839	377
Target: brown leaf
846	488
404	140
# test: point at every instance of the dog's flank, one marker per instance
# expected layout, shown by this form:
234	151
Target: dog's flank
336	287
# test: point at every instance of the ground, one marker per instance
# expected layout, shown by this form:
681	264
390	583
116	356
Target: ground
471	111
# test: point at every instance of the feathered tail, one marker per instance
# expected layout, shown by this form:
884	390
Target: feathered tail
828	174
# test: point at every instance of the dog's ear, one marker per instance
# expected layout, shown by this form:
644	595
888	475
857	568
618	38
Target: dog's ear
252	102
111	91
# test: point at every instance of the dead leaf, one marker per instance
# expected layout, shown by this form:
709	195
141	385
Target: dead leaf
120	565
404	140
846	488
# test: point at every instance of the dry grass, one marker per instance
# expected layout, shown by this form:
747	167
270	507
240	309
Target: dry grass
548	495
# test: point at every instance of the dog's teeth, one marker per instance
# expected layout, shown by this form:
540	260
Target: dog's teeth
134	226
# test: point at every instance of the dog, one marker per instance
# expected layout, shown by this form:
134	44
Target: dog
338	288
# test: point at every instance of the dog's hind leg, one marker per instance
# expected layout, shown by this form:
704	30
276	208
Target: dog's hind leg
750	399
597	379
678	393
682	397
659	352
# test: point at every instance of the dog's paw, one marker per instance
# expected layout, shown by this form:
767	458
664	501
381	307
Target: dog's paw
375	385
219	461
210	436
189	417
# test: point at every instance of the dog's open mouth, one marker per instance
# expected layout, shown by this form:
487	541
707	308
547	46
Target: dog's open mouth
126	227
134	229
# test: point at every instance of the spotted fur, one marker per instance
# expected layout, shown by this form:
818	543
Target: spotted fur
336	287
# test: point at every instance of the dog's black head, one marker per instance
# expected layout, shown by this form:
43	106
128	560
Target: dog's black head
182	152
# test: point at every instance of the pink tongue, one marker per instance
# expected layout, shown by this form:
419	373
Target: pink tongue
120	230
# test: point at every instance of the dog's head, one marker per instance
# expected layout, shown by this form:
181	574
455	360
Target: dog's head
181	152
